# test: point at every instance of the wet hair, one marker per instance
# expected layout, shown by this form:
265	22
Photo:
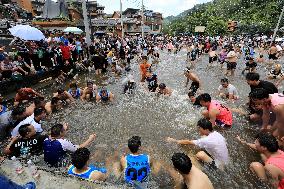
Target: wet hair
259	94
56	130
38	100
80	157
205	124
144	58
252	77
90	82
162	86
73	85
182	163
24	129
267	140
224	80
54	100
134	143
187	69
60	90
38	111
205	97
190	94
17	111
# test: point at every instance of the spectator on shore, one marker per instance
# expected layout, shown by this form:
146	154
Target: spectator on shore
28	143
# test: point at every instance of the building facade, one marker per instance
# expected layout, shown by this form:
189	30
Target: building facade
132	22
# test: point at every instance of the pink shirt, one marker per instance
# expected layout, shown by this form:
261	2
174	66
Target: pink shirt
225	114
278	161
277	99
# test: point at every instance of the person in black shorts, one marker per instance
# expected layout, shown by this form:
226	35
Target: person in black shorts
231	63
250	65
195	85
97	61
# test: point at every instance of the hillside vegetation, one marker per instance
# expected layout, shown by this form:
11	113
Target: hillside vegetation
254	16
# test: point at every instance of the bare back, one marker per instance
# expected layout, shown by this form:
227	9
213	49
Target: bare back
196	179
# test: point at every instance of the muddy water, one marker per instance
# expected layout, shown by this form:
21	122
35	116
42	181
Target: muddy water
154	118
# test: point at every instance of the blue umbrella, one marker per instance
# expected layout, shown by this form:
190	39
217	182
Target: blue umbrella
27	32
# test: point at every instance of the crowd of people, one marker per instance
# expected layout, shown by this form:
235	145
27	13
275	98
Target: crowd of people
68	54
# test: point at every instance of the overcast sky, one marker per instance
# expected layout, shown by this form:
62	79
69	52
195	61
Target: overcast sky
166	7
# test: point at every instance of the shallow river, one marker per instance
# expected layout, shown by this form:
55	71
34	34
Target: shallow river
154	118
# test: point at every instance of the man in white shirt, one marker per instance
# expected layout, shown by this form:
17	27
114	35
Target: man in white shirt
227	91
216	151
34	120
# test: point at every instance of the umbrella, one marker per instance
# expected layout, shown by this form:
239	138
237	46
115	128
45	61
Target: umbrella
73	30
27	32
279	39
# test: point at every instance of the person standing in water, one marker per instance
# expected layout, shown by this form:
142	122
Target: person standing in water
195	85
144	68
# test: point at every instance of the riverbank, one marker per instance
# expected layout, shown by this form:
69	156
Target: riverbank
50	180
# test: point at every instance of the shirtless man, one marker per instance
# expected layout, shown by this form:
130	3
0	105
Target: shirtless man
212	57
64	96
89	92
54	105
164	90
272	53
188	174
195	85
37	103
270	103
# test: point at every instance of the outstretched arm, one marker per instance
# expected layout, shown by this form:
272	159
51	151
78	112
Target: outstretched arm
184	142
251	145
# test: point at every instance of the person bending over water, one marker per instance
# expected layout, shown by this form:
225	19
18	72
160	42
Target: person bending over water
270	103
227	91
186	175
215	145
195	85
64	96
164	90
194	100
54	105
217	113
152	81
273	158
